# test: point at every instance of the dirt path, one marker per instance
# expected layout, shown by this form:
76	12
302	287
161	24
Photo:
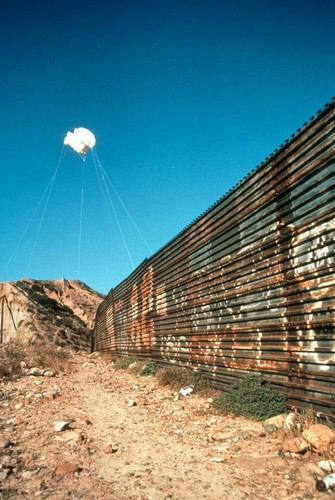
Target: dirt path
159	448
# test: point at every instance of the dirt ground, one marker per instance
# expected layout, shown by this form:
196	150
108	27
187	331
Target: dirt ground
158	448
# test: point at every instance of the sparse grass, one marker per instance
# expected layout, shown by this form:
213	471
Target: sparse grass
32	354
124	362
177	377
48	356
11	356
305	418
252	397
142	367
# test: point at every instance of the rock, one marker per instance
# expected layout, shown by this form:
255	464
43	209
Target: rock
63	425
217	460
67	468
4	474
131	402
27	474
4	443
270	428
327	465
278	420
245	435
319	436
291	422
111	448
295	445
71	435
51	393
35	371
283	421
142	401
49	373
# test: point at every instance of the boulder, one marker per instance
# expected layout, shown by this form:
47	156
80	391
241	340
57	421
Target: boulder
319	436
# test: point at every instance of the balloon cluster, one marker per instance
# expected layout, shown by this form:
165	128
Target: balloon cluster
80	140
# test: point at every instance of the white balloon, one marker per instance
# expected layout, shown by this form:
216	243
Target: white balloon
80	140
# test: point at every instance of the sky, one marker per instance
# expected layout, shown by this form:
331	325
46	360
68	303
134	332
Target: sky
185	98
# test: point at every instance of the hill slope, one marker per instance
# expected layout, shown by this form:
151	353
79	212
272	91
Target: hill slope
58	311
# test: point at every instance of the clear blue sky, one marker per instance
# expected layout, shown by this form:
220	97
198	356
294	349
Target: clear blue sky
185	98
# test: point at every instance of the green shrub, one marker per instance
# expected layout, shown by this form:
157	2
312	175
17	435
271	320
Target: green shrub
252	397
148	369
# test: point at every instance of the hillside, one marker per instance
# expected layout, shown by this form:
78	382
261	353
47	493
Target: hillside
58	311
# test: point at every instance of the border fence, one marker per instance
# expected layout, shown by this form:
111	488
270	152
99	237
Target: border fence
249	286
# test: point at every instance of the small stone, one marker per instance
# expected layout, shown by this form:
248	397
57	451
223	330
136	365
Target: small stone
35	371
327	465
4	443
49	373
63	425
4	474
111	448
245	435
270	428
67	468
131	402
70	435
27	474
142	401
217	460
51	393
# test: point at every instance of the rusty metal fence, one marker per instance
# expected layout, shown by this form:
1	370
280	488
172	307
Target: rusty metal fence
249	285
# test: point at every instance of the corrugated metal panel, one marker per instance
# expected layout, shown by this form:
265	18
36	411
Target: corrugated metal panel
249	285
